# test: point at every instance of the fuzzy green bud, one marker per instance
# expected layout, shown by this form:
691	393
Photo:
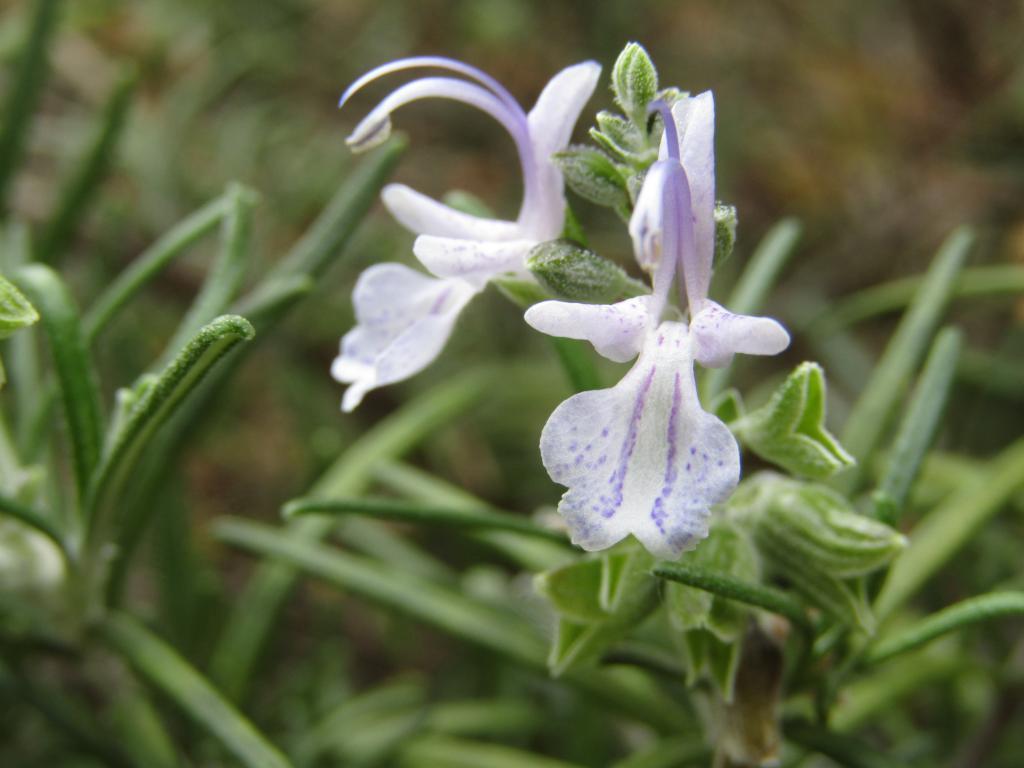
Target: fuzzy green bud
813	536
634	82
576	273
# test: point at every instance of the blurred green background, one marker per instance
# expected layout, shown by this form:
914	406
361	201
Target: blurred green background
880	125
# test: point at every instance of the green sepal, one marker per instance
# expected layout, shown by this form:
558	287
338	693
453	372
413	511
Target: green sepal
574	590
576	273
634	82
592	175
727	550
598	602
15	310
726	221
728	406
789	430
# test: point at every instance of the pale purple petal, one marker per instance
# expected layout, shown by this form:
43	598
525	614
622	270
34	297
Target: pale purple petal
719	334
404	319
616	330
426	216
473	260
642	458
551	122
695	124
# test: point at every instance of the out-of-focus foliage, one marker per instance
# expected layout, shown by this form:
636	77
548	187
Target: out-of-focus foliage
881	126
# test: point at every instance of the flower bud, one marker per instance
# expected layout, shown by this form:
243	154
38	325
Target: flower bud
634	82
725	232
576	273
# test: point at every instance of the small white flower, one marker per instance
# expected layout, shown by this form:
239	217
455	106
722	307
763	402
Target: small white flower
404	319
643	457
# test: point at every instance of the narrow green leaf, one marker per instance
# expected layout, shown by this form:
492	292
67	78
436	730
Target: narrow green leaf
759	277
918	426
940	535
415	484
974	610
757	595
24	91
975	282
335	225
162	667
451	517
670	753
79	191
255	611
845	750
145	417
879	694
149	264
227	271
75	375
873	410
447	752
434	604
999	374
72	719
32	518
447	609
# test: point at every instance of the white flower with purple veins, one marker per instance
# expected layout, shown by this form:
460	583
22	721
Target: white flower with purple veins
643	457
404	318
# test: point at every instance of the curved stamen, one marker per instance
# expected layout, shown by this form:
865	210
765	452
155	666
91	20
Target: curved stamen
376	126
671	134
434	62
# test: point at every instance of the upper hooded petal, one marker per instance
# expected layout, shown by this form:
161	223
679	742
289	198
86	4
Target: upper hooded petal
616	330
642	458
426	216
719	334
472	260
695	124
404	319
551	123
